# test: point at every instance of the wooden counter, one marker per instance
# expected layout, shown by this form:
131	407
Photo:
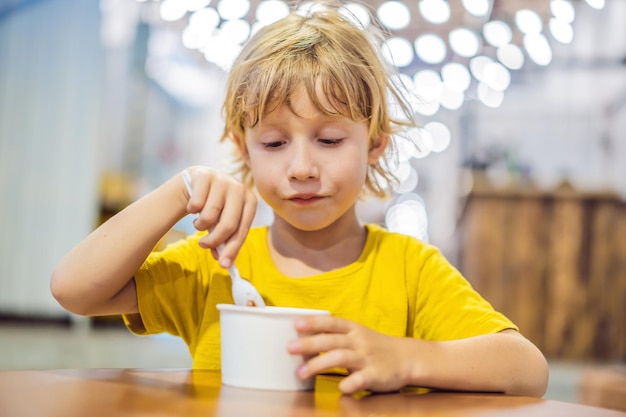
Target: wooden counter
555	263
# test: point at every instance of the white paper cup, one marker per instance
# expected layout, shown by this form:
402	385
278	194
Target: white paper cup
254	347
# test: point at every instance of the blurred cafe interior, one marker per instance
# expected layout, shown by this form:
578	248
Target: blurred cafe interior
520	176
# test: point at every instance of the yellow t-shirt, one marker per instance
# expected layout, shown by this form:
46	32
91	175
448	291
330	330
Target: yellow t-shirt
399	286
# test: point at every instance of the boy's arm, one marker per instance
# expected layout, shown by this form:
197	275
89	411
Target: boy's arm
96	277
500	362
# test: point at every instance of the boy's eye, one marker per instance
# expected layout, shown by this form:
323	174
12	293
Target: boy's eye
331	142
273	145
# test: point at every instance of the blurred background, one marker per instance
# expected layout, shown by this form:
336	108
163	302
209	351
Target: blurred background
520	177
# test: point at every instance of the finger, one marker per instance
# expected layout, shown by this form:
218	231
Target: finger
323	342
230	218
197	196
234	242
323	324
212	206
337	358
197	182
354	382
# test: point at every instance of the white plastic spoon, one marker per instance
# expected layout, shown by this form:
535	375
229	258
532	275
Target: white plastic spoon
244	292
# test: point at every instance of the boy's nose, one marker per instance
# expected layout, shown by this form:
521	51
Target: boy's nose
302	165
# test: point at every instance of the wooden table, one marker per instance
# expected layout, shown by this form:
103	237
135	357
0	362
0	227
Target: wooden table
175	392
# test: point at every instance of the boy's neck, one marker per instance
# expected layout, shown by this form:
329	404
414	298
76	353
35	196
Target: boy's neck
299	253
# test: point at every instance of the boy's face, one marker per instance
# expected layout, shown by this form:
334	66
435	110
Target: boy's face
308	166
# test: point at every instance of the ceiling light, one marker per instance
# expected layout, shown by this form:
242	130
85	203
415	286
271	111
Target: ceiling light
563	9
511	56
561	30
538	48
464	42
497	33
434	11
479	8
596	4
528	21
233	9
356	13
430	48
456	76
269	11
440	134
477	66
398	51
394	15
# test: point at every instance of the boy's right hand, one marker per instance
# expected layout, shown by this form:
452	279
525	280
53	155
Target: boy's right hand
224	206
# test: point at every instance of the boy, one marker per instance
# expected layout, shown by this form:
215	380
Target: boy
306	106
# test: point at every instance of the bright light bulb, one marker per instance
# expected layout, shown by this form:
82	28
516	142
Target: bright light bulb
357	14
538	48
496	76
451	99
464	42
233	9
477	66
428	85
172	10
195	5
394	15
237	30
497	33
440	134
489	97
398	51
561	30
511	56
434	11
430	48
456	76
269	11
563	9
596	4
479	8
528	21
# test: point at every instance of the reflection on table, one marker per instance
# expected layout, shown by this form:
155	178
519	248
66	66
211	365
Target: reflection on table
174	392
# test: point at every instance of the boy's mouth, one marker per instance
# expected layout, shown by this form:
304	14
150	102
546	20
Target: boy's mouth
305	198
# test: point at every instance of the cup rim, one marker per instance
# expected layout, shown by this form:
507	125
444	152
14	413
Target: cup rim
272	310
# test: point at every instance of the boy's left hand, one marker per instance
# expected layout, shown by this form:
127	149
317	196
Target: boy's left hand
377	362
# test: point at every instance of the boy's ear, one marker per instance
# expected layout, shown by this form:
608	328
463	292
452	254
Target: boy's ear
240	142
377	148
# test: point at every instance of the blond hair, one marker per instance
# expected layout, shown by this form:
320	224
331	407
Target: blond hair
322	46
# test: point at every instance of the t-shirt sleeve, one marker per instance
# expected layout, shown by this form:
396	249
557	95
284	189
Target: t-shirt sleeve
172	286
446	306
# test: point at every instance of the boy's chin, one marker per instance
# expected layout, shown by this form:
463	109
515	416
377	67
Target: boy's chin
310	223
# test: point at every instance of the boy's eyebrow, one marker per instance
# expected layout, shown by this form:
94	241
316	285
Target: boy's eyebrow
321	115
326	120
